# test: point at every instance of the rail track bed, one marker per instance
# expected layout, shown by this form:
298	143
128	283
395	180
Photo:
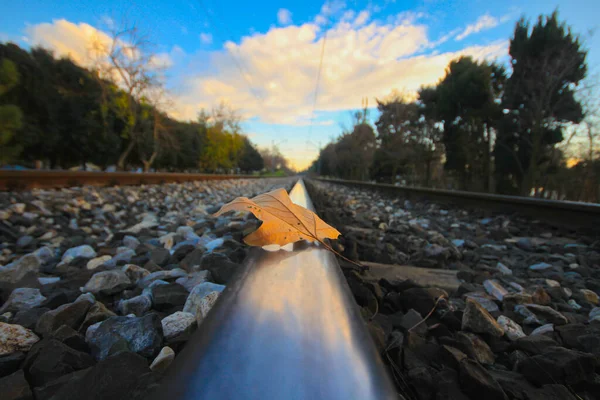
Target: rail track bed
23	180
519	313
102	288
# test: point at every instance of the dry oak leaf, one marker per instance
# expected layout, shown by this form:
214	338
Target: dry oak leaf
283	221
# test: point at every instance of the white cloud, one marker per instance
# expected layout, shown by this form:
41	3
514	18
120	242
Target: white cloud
67	39
108	21
362	58
80	42
484	22
362	17
206	38
284	17
331	9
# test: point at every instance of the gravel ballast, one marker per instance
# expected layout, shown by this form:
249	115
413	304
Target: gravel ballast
100	288
524	322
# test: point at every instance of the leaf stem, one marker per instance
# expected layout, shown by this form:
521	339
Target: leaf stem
328	247
428	315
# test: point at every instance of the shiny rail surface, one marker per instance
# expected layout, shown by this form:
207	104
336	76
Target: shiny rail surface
569	214
286	328
20	180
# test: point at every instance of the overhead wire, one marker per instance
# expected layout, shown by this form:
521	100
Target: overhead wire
315	99
238	62
243	72
312	117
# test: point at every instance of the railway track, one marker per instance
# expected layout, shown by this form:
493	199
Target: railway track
287	327
562	213
430	315
23	180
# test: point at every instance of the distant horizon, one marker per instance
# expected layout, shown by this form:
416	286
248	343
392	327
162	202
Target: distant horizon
264	62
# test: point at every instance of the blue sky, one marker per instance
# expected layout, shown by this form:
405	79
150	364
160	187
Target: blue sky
262	58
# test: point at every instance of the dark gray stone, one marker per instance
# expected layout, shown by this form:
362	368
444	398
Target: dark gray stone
51	388
535	344
475	347
97	313
107	282
478	383
193	259
71	338
117	377
137	305
514	384
551	392
29	318
220	267
10	363
159	256
54	359
412	320
15	387
166	297
559	365
141	335
72	315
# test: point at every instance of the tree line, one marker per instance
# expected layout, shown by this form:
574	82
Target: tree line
115	113
484	126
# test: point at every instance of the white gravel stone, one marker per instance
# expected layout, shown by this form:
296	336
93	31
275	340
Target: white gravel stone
552	283
540	266
574	304
18	208
594	315
177	323
194	300
214	244
511	329
504	270
163	360
543	329
86	297
85	251
48	280
98	261
149	221
494	288
134	272
15	338
205	306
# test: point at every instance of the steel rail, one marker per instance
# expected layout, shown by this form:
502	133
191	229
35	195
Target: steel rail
569	214
286	328
19	180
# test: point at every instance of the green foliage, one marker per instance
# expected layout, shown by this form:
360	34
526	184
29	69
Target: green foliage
548	62
409	141
10	114
66	115
280	173
351	156
493	129
250	158
465	101
9	76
